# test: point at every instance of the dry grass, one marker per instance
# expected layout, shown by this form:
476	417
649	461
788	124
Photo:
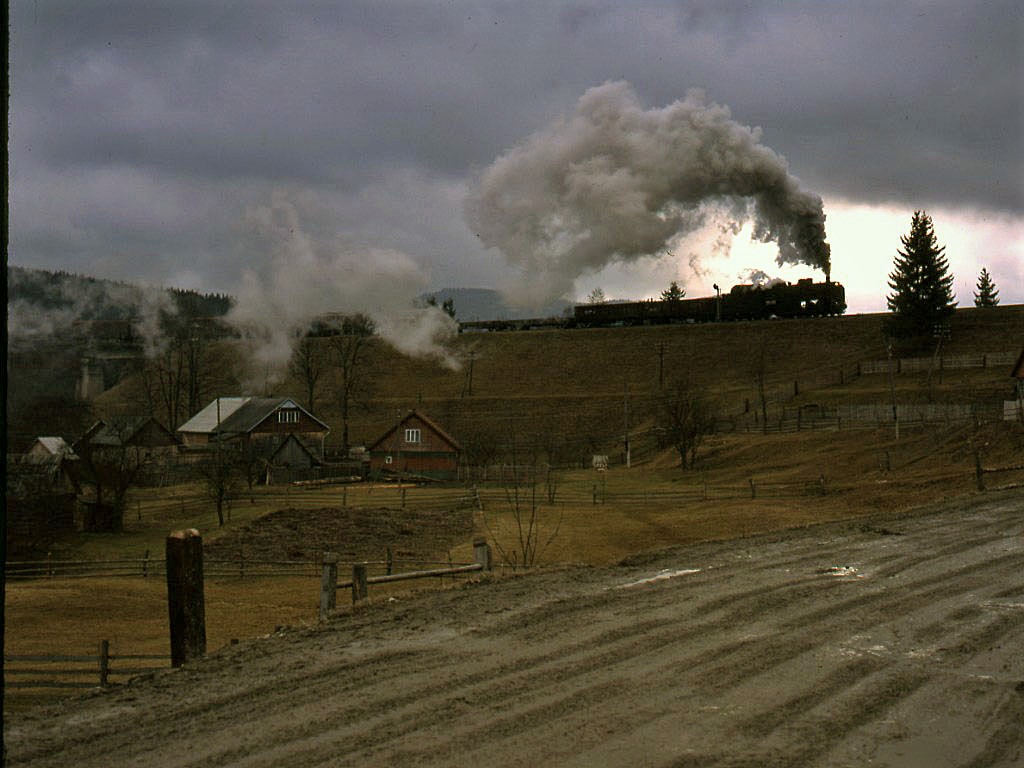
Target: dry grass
570	383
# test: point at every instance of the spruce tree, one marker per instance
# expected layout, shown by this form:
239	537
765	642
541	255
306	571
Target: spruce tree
673	292
922	288
987	295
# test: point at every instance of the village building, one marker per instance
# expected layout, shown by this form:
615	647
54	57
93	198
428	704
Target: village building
275	428
416	447
40	495
47	448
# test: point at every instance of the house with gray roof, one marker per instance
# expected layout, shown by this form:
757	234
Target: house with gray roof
262	424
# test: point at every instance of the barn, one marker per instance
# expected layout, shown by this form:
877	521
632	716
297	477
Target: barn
416	446
261	424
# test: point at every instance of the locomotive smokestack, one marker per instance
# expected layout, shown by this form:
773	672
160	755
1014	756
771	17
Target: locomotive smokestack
617	182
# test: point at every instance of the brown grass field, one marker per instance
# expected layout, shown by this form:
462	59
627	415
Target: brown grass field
528	387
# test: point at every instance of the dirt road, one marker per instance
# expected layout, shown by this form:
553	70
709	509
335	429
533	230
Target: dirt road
897	642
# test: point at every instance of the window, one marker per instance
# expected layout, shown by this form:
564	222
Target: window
412	435
288	416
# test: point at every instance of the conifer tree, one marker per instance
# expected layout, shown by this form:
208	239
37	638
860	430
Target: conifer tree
987	295
673	292
922	288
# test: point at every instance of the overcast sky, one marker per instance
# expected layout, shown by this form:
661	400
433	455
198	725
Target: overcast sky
184	143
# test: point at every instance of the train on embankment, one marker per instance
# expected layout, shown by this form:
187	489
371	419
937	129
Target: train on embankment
778	299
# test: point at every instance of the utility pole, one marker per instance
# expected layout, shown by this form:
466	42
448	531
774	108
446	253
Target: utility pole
661	365
626	412
718	303
467	388
892	391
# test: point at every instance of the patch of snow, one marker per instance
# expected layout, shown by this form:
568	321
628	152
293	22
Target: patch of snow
663	575
842	571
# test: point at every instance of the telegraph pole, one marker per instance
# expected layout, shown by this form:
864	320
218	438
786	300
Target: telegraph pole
467	388
626	410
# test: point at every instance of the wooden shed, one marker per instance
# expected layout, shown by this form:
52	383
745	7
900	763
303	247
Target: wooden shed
416	446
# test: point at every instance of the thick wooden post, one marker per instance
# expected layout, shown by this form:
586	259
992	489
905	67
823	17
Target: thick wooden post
482	553
753	489
104	663
360	590
329	585
979	473
185	601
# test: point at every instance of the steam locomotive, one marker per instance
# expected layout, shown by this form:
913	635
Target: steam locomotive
805	298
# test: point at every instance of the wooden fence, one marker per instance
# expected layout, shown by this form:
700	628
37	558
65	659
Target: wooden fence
942	362
57	671
981	471
145	567
360	581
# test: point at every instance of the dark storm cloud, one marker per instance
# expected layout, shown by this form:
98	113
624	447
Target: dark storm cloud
142	132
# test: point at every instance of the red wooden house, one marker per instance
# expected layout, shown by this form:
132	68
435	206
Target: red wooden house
416	446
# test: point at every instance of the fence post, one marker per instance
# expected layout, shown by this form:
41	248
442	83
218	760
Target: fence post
104	662
360	590
145	565
185	602
482	553
390	561
979	473
753	489
821	484
328	585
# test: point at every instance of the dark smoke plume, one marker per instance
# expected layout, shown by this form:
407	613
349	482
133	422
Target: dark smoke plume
616	182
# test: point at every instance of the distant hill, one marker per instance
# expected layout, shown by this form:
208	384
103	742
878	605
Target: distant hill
487	304
32	293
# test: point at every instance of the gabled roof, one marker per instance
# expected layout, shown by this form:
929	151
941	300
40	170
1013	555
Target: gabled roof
240	415
293	438
206	419
54	445
114	436
426	420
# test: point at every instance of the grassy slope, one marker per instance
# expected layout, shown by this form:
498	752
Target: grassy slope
571	383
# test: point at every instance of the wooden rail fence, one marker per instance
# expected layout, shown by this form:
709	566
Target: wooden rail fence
981	471
68	671
360	581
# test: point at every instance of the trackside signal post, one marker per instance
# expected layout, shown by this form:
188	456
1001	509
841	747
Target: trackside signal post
185	600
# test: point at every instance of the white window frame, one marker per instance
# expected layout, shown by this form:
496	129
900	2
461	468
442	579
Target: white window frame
288	416
413	436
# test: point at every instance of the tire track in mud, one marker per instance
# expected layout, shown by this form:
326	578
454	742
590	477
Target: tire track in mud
587	652
755	661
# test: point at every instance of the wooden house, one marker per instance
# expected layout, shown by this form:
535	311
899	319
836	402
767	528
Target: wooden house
259	424
416	446
40	496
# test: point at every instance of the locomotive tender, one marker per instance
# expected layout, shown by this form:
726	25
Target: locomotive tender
805	298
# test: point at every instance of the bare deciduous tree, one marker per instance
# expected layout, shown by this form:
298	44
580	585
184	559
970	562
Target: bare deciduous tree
308	364
349	342
685	419
529	519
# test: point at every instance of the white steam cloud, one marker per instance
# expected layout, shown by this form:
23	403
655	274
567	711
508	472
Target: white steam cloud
616	182
307	278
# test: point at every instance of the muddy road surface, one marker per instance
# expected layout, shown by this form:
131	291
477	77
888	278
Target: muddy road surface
893	642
